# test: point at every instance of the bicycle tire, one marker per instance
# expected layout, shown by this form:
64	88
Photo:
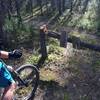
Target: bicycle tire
27	92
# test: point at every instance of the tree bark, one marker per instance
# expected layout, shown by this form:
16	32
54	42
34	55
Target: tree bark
18	13
59	6
53	4
63	5
2	18
39	3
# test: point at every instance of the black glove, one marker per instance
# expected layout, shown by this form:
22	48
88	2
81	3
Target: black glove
15	54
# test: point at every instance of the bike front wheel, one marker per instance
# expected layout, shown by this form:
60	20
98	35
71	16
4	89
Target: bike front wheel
30	76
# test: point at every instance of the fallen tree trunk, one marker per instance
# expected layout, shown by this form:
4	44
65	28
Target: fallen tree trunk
77	41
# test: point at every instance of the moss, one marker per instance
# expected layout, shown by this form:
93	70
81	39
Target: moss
47	75
66	96
55	53
32	59
53	41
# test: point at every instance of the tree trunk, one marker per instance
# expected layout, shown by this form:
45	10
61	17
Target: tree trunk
53	4
3	12
18	13
59	6
2	18
47	6
31	6
71	8
63	5
98	16
39	3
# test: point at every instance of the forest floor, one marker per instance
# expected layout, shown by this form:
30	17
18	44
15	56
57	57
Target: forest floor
74	77
73	74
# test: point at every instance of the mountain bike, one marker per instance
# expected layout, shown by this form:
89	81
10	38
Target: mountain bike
27	79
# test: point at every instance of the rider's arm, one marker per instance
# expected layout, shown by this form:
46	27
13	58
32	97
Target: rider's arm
13	54
4	54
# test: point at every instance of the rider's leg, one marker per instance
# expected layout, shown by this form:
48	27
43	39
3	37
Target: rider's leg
9	92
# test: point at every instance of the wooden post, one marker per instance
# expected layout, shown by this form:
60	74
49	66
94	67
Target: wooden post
63	39
43	48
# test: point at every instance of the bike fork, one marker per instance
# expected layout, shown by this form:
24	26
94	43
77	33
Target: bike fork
18	77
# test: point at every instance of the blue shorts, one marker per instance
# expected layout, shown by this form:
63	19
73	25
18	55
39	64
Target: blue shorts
5	76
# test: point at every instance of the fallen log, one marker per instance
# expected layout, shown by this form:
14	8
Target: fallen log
76	41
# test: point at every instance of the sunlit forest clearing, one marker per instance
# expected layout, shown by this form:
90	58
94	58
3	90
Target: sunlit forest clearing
71	73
